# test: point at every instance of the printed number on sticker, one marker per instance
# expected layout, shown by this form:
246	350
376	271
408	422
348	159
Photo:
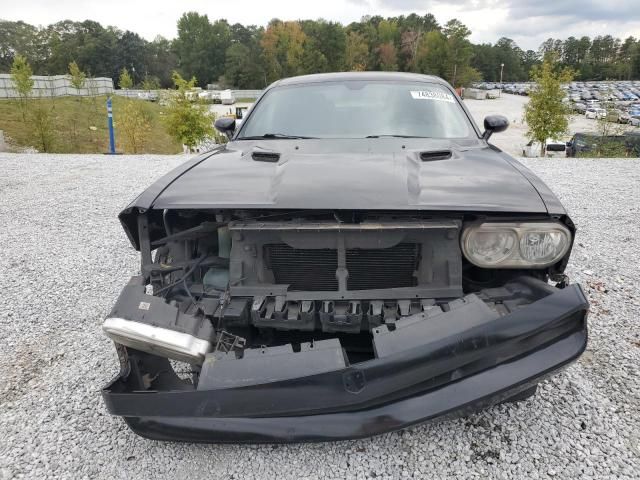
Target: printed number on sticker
432	95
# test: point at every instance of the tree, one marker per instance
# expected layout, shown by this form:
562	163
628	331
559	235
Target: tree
188	121
135	125
78	77
431	57
23	83
459	50
16	38
313	60
243	61
388	57
160	61
125	81
131	54
356	52
545	114
529	59
150	83
243	68
41	123
329	40
200	47
283	49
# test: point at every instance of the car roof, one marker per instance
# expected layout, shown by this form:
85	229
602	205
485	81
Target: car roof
363	76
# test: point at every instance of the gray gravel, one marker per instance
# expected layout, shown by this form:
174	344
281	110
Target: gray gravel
65	258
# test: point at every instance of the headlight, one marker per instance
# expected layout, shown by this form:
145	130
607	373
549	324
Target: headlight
512	245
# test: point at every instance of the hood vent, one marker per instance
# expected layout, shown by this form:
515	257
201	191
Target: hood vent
435	155
263	156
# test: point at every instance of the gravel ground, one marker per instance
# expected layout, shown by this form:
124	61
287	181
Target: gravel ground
65	259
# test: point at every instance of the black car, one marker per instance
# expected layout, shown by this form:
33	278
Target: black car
357	259
585	144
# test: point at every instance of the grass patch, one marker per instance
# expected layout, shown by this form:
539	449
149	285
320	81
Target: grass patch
73	119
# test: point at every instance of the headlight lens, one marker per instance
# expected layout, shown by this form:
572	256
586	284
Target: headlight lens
513	245
492	247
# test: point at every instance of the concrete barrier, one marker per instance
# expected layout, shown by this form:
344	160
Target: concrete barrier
57	86
475	94
237	93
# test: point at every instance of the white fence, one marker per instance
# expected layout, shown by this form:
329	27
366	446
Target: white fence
57	86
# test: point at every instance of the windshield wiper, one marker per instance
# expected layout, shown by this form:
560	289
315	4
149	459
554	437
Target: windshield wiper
395	136
274	135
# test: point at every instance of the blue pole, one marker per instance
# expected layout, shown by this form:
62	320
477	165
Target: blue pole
112	140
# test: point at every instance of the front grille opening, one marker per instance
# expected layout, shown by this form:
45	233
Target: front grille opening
303	269
383	268
315	269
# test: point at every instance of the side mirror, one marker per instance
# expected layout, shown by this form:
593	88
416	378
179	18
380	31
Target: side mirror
494	124
226	125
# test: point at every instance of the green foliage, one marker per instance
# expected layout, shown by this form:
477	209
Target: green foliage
78	77
23	83
545	114
329	40
125	81
313	60
601	58
134	125
388	31
250	56
78	80
201	46
187	120
50	126
388	57
356	52
431	57
283	48
606	147
459	50
242	68
150	83
42	125
16	38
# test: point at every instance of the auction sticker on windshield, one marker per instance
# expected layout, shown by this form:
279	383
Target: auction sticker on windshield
432	95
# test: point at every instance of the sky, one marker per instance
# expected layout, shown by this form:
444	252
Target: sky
528	22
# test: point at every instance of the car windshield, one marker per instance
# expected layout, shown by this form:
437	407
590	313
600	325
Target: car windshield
358	109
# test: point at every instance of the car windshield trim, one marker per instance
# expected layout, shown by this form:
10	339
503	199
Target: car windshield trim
277	136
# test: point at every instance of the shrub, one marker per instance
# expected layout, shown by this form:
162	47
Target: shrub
134	123
187	119
545	114
23	83
41	122
125	81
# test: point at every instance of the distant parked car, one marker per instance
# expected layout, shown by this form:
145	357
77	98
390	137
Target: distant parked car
617	116
553	147
595	113
579	107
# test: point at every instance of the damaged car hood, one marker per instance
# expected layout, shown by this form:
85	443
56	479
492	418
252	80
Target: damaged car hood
385	174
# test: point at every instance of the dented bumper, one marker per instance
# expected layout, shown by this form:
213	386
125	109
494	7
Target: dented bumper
429	365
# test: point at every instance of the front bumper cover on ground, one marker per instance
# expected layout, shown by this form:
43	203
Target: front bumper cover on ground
451	372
